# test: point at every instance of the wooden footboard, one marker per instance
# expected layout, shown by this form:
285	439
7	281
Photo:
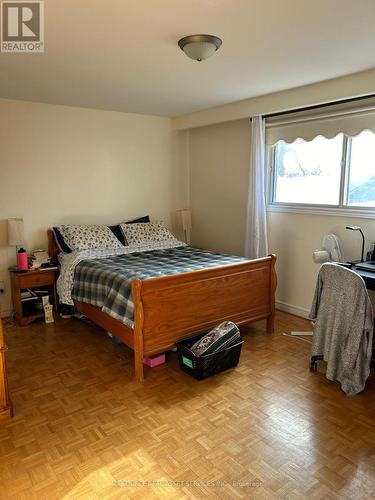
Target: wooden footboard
170	308
177	306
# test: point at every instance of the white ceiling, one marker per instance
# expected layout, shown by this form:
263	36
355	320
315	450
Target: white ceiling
123	55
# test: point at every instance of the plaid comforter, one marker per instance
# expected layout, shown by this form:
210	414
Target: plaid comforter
106	283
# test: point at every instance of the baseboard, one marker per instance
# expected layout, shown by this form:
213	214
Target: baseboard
296	310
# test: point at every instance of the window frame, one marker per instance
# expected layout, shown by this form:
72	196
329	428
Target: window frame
341	209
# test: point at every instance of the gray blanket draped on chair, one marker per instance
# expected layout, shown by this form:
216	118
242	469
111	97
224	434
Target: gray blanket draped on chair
343	329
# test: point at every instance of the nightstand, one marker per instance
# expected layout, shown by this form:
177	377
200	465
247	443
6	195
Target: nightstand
36	281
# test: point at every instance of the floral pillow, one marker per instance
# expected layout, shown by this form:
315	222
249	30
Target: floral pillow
79	237
146	233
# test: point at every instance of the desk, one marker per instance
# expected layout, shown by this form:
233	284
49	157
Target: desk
368	277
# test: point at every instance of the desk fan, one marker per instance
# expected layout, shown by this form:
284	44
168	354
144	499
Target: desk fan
330	252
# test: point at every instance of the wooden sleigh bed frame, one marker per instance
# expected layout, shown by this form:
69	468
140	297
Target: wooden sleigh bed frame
170	308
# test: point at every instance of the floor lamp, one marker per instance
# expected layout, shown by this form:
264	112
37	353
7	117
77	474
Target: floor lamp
184	217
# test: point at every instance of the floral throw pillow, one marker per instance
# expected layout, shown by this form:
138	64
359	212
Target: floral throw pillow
146	233
79	237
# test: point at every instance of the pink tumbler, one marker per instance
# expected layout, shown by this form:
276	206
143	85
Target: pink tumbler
22	260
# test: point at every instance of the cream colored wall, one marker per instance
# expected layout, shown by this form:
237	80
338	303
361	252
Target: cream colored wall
72	165
293	237
344	87
219	158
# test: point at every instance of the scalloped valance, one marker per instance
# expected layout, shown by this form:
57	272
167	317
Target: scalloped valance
308	125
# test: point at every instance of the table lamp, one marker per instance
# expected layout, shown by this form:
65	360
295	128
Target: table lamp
185	223
357	228
15	233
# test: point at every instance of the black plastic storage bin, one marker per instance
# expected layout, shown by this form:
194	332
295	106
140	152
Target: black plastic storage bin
201	367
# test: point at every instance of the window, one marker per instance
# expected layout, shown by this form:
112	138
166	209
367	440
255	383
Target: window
337	172
361	174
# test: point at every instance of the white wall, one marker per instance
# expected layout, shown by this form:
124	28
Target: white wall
72	165
219	159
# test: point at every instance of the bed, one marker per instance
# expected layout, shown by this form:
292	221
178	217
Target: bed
173	307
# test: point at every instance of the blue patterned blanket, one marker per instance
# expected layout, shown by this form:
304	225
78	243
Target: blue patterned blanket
106	283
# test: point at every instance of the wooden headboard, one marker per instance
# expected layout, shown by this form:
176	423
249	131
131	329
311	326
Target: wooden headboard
53	249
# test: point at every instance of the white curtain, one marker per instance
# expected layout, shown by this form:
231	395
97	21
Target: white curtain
256	244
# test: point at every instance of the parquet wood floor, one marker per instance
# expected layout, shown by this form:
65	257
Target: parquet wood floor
83	428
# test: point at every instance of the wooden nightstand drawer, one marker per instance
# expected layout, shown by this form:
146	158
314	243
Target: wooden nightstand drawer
30	280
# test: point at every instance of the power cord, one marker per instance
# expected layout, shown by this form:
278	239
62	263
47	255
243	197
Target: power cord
299	337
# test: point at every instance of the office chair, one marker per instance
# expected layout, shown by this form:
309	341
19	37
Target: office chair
343	327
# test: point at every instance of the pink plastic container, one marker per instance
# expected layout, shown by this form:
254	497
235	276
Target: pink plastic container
22	260
154	360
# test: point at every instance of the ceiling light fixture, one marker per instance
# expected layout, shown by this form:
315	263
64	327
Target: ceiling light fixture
199	47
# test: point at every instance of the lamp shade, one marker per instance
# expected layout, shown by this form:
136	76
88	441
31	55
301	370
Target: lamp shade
199	51
185	219
200	47
15	232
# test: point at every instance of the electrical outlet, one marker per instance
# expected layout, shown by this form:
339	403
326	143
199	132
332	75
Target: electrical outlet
2	286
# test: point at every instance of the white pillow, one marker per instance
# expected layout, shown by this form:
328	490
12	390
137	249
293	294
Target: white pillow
146	233
80	237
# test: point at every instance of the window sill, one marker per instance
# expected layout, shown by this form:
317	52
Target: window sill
333	211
